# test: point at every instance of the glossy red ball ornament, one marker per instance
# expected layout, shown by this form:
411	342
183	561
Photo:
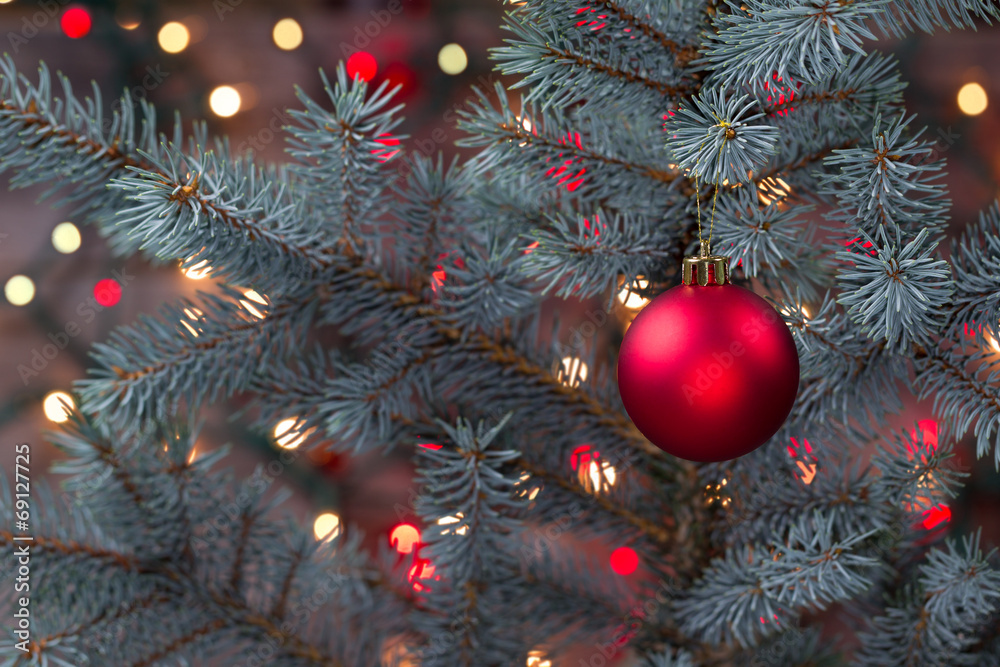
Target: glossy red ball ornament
708	371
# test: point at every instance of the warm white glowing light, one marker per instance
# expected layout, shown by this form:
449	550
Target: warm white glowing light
972	99
773	189
173	37
601	474
53	406
66	238
628	297
224	101
572	372
448	520
197	271
288	433
537	659
253	296
287	34
452	59
19	290
326	527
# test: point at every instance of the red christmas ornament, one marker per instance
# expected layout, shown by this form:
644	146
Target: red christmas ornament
708	371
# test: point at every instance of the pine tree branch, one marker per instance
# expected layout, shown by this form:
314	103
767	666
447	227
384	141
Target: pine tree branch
518	134
127	562
179	643
278	610
30	118
562	55
683	54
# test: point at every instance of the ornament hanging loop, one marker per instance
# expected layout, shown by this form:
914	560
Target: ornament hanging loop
705	269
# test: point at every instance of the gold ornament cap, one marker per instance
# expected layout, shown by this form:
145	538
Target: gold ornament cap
705	268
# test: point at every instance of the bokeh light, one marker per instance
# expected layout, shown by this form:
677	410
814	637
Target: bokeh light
452	59
19	290
197	271
288	433
537	659
624	561
572	371
107	292
254	310
627	295
404	537
75	22
53	406
173	37
972	99
326	527
224	101
362	65
287	34
66	238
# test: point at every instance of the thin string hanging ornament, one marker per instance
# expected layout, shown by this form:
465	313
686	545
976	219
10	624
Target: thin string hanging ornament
708	371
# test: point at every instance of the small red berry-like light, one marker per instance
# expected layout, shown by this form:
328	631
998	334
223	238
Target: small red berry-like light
404	538
75	22
362	65
107	292
624	561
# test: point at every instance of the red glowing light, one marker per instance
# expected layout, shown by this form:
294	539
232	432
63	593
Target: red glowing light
583	455
75	22
935	516
362	65
429	445
404	538
928	429
421	569
624	561
527	251
867	244
385	154
107	292
398	74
